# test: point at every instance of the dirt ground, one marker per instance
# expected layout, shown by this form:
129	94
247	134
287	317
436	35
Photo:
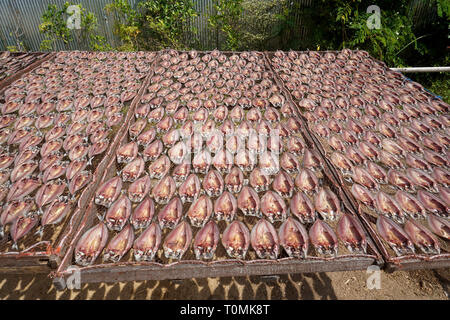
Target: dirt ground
424	284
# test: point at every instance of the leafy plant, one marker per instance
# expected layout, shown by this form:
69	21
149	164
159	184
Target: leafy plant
227	13
262	24
153	25
54	27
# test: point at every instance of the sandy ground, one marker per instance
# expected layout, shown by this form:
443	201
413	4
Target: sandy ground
424	284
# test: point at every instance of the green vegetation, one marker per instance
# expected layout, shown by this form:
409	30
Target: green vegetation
54	27
153	25
411	33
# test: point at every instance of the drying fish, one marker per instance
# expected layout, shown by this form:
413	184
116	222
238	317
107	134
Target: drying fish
434	158
400	181
259	180
377	172
256	143
133	170
264	240
409	145
49	192
6	160
293	125
178	152
117	215
80	151
368	150
395	236
307	181
422	180
362	194
119	245
54	214
206	241
433	203
171	214
327	204
201	162
152	151
200	211
273	207
108	192
189	190
75	167
422	237
22	226
213	183
50	160
225	207
283	184
302	208
268	163
127	152
146	245
159	168
311	160
143	214
136	128
293	238
165	124
439	226
362	177
323	238
171	137
236	240
246	160
23	170
13	210
178	241
351	234
371	137
4	176
223	161
386	205
73	140
97	148
91	245
442	176
342	162
22	188
234	180
164	190
80	180
24	156
390	160
248	202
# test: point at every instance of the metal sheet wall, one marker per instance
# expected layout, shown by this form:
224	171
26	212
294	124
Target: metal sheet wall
19	19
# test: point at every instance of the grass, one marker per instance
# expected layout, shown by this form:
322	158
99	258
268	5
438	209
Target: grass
437	83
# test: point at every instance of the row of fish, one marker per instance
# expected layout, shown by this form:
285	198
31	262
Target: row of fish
403	240
236	80
202	156
56	121
292	236
305	194
11	63
387	137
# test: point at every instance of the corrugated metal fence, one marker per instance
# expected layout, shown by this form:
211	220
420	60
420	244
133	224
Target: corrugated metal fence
19	21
